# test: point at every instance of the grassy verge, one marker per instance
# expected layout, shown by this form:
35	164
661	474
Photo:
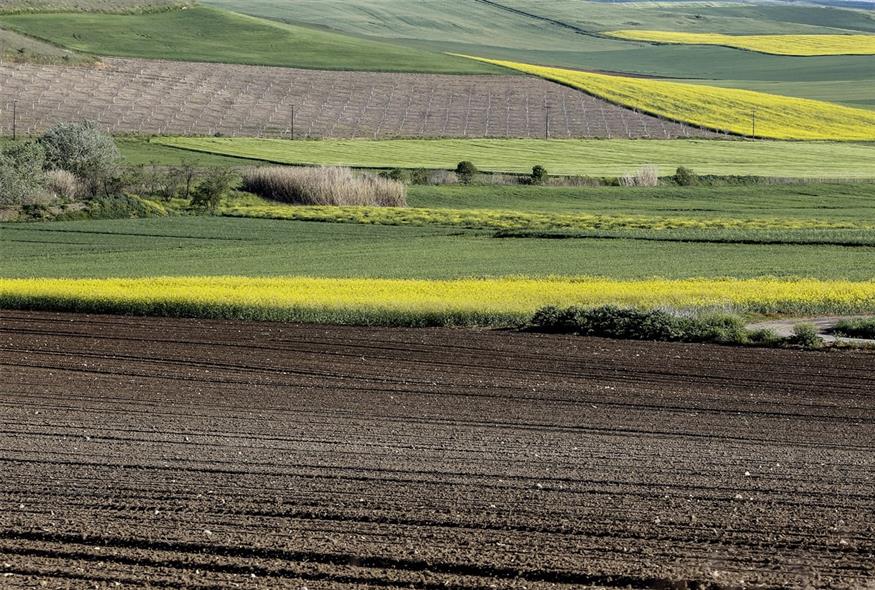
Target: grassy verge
561	156
857	328
489	302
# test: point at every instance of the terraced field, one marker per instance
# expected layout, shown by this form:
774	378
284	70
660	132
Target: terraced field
167	453
142	96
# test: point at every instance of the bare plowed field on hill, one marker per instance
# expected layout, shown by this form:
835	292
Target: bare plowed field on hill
218	454
180	98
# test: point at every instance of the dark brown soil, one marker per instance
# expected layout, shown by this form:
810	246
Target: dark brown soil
213	454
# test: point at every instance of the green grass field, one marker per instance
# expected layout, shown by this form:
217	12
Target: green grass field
263	247
211	35
582	157
256	247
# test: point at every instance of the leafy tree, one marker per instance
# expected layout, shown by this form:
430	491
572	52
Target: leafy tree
21	172
216	184
466	171
83	149
539	174
685	177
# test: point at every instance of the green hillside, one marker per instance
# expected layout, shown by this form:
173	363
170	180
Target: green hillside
212	35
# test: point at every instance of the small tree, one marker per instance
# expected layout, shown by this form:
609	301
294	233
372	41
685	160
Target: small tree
83	149
539	174
21	172
685	177
215	185
466	171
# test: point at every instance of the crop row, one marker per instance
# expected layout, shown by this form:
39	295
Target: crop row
741	112
417	302
180	98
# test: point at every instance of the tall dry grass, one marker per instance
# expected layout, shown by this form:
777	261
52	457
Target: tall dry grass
324	186
644	176
65	185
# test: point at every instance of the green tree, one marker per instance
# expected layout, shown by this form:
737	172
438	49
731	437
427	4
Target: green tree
83	149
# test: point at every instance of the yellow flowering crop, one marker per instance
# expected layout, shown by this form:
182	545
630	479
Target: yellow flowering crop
498	219
800	45
424	302
723	109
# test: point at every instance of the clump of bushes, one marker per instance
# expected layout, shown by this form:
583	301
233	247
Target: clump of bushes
466	171
213	187
858	328
83	150
539	174
685	177
806	336
22	175
644	176
626	323
324	186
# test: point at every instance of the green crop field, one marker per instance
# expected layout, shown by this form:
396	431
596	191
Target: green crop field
211	35
475	28
240	246
583	157
256	247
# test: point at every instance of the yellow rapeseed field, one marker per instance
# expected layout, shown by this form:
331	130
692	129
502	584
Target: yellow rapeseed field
798	45
489	302
723	109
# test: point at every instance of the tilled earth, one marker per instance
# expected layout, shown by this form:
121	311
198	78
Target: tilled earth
218	454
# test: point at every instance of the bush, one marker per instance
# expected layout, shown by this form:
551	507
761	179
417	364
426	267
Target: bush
466	171
396	174
615	322
21	172
858	328
419	176
82	149
64	185
539	174
324	186
214	186
805	335
685	177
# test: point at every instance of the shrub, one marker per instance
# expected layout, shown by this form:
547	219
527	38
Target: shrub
685	177
419	176
805	335
84	150
539	174
396	174
215	185
324	186
21	172
858	328
466	171
615	322
64	184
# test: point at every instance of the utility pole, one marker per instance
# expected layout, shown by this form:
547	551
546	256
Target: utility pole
14	120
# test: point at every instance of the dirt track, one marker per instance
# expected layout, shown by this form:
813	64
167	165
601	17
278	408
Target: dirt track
201	454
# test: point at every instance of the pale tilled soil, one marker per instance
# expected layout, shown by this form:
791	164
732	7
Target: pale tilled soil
215	454
158	97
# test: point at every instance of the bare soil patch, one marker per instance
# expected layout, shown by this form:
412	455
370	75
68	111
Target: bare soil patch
206	454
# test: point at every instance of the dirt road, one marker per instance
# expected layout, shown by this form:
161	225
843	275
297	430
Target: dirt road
210	454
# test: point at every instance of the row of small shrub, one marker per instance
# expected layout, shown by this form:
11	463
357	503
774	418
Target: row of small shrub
634	324
324	186
856	328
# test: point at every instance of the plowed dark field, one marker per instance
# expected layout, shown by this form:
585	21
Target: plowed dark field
210	454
